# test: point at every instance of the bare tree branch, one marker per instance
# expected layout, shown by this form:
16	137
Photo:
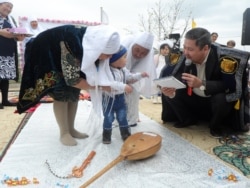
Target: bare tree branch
165	18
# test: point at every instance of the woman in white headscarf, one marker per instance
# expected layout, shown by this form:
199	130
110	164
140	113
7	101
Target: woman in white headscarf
34	27
159	60
140	58
58	62
8	51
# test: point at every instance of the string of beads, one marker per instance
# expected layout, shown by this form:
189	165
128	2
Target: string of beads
56	175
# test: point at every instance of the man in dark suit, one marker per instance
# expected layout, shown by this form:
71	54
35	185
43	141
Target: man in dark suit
205	95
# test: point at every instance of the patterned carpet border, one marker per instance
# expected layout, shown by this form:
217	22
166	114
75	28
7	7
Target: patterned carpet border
235	150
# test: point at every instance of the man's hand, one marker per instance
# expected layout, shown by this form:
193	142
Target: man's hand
169	92
192	80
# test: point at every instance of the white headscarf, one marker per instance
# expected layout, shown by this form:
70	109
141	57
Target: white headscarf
145	40
146	64
97	40
32	18
169	42
32	31
6	1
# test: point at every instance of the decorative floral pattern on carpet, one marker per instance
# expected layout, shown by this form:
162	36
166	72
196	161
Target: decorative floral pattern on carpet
235	150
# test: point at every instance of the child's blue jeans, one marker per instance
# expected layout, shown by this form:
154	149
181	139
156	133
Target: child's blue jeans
115	107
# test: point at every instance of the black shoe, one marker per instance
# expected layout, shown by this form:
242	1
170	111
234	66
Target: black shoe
1	106
7	103
245	128
133	125
106	136
184	124
125	133
216	133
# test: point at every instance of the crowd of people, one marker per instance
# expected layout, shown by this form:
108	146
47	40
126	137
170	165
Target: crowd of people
64	60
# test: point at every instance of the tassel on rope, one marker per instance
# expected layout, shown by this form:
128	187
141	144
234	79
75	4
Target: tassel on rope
237	105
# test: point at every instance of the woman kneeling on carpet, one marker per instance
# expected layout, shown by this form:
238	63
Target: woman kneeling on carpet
58	61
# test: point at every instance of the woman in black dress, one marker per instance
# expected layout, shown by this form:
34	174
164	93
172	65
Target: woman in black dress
58	62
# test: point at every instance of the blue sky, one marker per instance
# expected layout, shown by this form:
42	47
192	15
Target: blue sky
222	16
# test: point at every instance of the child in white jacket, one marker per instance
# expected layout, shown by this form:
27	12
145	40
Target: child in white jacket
114	104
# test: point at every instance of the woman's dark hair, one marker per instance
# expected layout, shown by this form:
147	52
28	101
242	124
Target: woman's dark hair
214	33
200	35
165	45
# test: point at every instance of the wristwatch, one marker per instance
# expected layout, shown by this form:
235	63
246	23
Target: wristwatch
203	85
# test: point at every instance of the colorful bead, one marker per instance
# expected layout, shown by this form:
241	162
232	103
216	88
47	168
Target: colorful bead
221	174
16	181
35	181
210	172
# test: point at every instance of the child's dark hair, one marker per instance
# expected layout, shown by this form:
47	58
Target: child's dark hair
164	45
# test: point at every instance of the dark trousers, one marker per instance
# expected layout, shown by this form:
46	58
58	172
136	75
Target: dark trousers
4	87
215	108
167	113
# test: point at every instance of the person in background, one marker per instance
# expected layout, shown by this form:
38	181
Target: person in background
8	51
34	29
214	36
56	65
160	62
116	104
140	58
231	43
207	101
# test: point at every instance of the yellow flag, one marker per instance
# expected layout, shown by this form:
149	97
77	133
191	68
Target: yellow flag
193	23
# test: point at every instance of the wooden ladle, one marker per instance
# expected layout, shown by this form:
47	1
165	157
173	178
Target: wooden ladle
138	146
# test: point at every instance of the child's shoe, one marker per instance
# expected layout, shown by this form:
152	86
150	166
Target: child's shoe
125	133
106	136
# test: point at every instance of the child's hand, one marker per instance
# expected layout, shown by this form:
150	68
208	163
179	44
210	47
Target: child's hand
128	89
144	74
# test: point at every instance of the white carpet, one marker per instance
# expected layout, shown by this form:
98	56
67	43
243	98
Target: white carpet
177	164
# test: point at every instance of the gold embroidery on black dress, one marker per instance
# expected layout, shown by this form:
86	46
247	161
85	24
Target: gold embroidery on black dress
70	65
49	80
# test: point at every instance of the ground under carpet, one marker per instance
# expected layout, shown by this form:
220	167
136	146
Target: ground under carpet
176	164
